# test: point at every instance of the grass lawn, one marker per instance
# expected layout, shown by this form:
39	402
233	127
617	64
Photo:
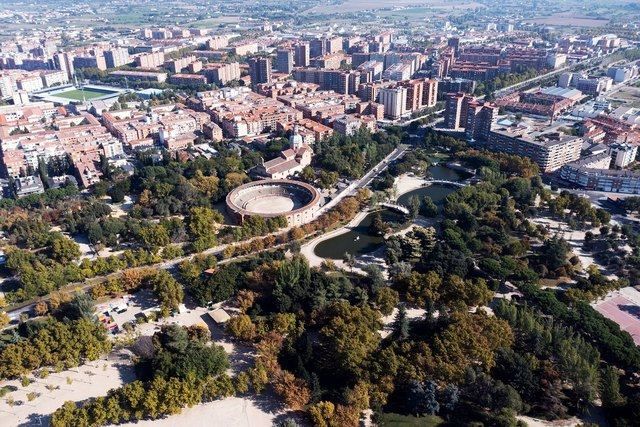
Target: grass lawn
397	420
76	94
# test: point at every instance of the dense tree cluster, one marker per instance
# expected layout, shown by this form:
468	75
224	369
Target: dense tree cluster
53	343
350	156
183	371
577	211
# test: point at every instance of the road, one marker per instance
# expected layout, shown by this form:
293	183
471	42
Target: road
520	85
365	180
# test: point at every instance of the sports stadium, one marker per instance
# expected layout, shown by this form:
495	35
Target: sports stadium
71	94
269	198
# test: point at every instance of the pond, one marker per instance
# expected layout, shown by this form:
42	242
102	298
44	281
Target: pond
437	192
359	241
356	241
446	174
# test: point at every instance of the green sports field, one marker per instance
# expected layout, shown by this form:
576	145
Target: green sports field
76	94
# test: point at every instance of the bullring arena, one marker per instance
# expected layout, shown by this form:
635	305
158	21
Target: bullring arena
296	201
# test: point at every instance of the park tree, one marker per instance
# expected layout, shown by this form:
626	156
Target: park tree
610	388
428	208
422	399
293	391
414	206
386	299
64	250
348	338
241	327
168	291
154	236
202	223
401	323
207	185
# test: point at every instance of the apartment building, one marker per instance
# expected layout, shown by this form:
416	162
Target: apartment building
550	150
394	100
140	75
302	54
96	61
150	60
222	73
330	61
284	60
177	65
398	72
247	113
260	71
116	57
53	78
455	111
242	49
193	80
350	124
217	43
592	173
344	82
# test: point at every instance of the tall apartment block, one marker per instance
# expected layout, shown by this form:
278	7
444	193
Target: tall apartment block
64	61
550	150
394	101
343	82
333	44
116	57
260	71
317	47
430	93
479	120
301	55
96	61
284	60
150	60
455	111
415	90
222	73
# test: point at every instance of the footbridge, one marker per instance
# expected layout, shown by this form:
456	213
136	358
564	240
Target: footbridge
397	208
443	181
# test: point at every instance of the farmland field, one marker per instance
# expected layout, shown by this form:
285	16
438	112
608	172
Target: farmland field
570	20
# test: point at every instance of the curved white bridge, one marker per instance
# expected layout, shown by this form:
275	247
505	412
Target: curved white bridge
395	207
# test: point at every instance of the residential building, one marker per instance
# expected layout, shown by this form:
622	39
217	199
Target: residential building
398	71
140	75
550	150
192	80
150	60
344	82
430	89
284	60
592	174
349	124
622	154
455	112
479	120
301	54
222	73
116	57
96	61
260	71
394	100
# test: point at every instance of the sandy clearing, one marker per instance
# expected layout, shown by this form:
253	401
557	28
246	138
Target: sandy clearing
89	380
229	412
